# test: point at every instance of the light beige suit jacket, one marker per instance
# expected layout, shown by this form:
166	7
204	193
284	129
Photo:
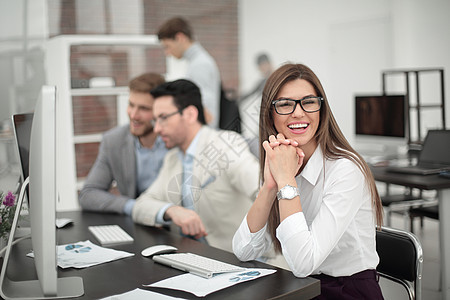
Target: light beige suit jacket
225	183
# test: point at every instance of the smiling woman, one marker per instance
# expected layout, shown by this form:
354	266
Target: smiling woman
292	120
318	196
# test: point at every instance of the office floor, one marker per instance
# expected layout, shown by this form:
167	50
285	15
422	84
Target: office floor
429	237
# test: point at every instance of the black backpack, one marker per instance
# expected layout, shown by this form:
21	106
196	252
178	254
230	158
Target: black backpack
229	113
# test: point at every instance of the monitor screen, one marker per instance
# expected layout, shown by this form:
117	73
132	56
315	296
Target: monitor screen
382	115
22	132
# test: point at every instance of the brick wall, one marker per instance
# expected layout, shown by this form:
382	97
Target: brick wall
215	27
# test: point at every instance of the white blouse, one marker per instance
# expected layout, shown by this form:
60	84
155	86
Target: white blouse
335	233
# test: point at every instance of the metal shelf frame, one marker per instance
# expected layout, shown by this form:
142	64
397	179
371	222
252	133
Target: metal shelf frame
418	106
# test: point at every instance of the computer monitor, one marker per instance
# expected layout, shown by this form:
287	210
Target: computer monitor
381	122
43	194
22	132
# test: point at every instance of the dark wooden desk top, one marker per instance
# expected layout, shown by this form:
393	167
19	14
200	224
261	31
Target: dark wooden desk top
424	182
127	274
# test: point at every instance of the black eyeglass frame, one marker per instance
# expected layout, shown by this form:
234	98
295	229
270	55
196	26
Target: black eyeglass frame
298	101
165	117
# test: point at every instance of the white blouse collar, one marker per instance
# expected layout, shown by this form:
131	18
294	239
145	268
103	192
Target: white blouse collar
314	166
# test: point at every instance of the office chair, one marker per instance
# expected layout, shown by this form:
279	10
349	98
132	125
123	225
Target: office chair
401	203
401	259
431	212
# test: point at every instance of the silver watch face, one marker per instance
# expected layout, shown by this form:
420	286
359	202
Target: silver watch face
287	192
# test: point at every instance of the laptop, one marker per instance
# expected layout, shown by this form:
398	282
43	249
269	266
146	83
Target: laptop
434	157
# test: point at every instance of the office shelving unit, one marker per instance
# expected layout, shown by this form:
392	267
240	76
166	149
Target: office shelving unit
418	106
58	53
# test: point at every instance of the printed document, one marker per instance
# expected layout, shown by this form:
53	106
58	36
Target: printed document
140	294
201	287
86	254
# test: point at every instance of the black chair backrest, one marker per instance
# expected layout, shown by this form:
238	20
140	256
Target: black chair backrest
398	257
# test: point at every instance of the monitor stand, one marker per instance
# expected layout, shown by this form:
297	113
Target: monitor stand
67	287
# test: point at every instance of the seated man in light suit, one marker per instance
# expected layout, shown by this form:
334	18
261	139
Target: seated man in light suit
209	177
129	155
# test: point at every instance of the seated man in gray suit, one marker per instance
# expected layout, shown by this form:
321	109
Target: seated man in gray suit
209	177
129	156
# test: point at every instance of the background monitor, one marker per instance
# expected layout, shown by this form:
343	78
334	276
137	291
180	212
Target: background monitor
22	132
43	194
381	122
380	115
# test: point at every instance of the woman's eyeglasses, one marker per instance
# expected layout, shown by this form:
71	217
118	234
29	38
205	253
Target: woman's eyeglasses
309	104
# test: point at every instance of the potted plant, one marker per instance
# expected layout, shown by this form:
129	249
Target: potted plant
7	210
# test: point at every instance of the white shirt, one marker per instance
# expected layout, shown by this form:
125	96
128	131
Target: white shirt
203	71
335	233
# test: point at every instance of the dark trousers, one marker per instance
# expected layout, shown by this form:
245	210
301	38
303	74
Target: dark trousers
362	285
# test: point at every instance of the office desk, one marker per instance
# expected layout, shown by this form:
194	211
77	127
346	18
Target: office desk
429	182
127	274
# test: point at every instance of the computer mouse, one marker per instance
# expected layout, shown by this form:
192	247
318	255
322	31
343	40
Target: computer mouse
158	249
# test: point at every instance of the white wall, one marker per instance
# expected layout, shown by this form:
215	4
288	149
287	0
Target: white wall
348	44
23	31
327	35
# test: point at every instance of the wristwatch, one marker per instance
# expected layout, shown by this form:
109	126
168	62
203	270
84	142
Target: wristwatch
287	192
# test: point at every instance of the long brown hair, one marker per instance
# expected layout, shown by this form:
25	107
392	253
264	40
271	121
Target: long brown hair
330	138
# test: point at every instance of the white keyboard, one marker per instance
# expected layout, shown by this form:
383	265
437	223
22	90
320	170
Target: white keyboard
196	264
109	235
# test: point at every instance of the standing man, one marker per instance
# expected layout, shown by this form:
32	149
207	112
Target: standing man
208	178
176	36
130	156
265	68
249	104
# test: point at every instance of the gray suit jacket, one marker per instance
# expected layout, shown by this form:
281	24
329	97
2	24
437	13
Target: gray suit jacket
225	183
116	161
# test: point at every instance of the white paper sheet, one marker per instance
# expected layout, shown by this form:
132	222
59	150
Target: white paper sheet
86	254
61	222
201	287
139	294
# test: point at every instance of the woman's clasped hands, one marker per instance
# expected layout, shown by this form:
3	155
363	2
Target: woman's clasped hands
283	161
